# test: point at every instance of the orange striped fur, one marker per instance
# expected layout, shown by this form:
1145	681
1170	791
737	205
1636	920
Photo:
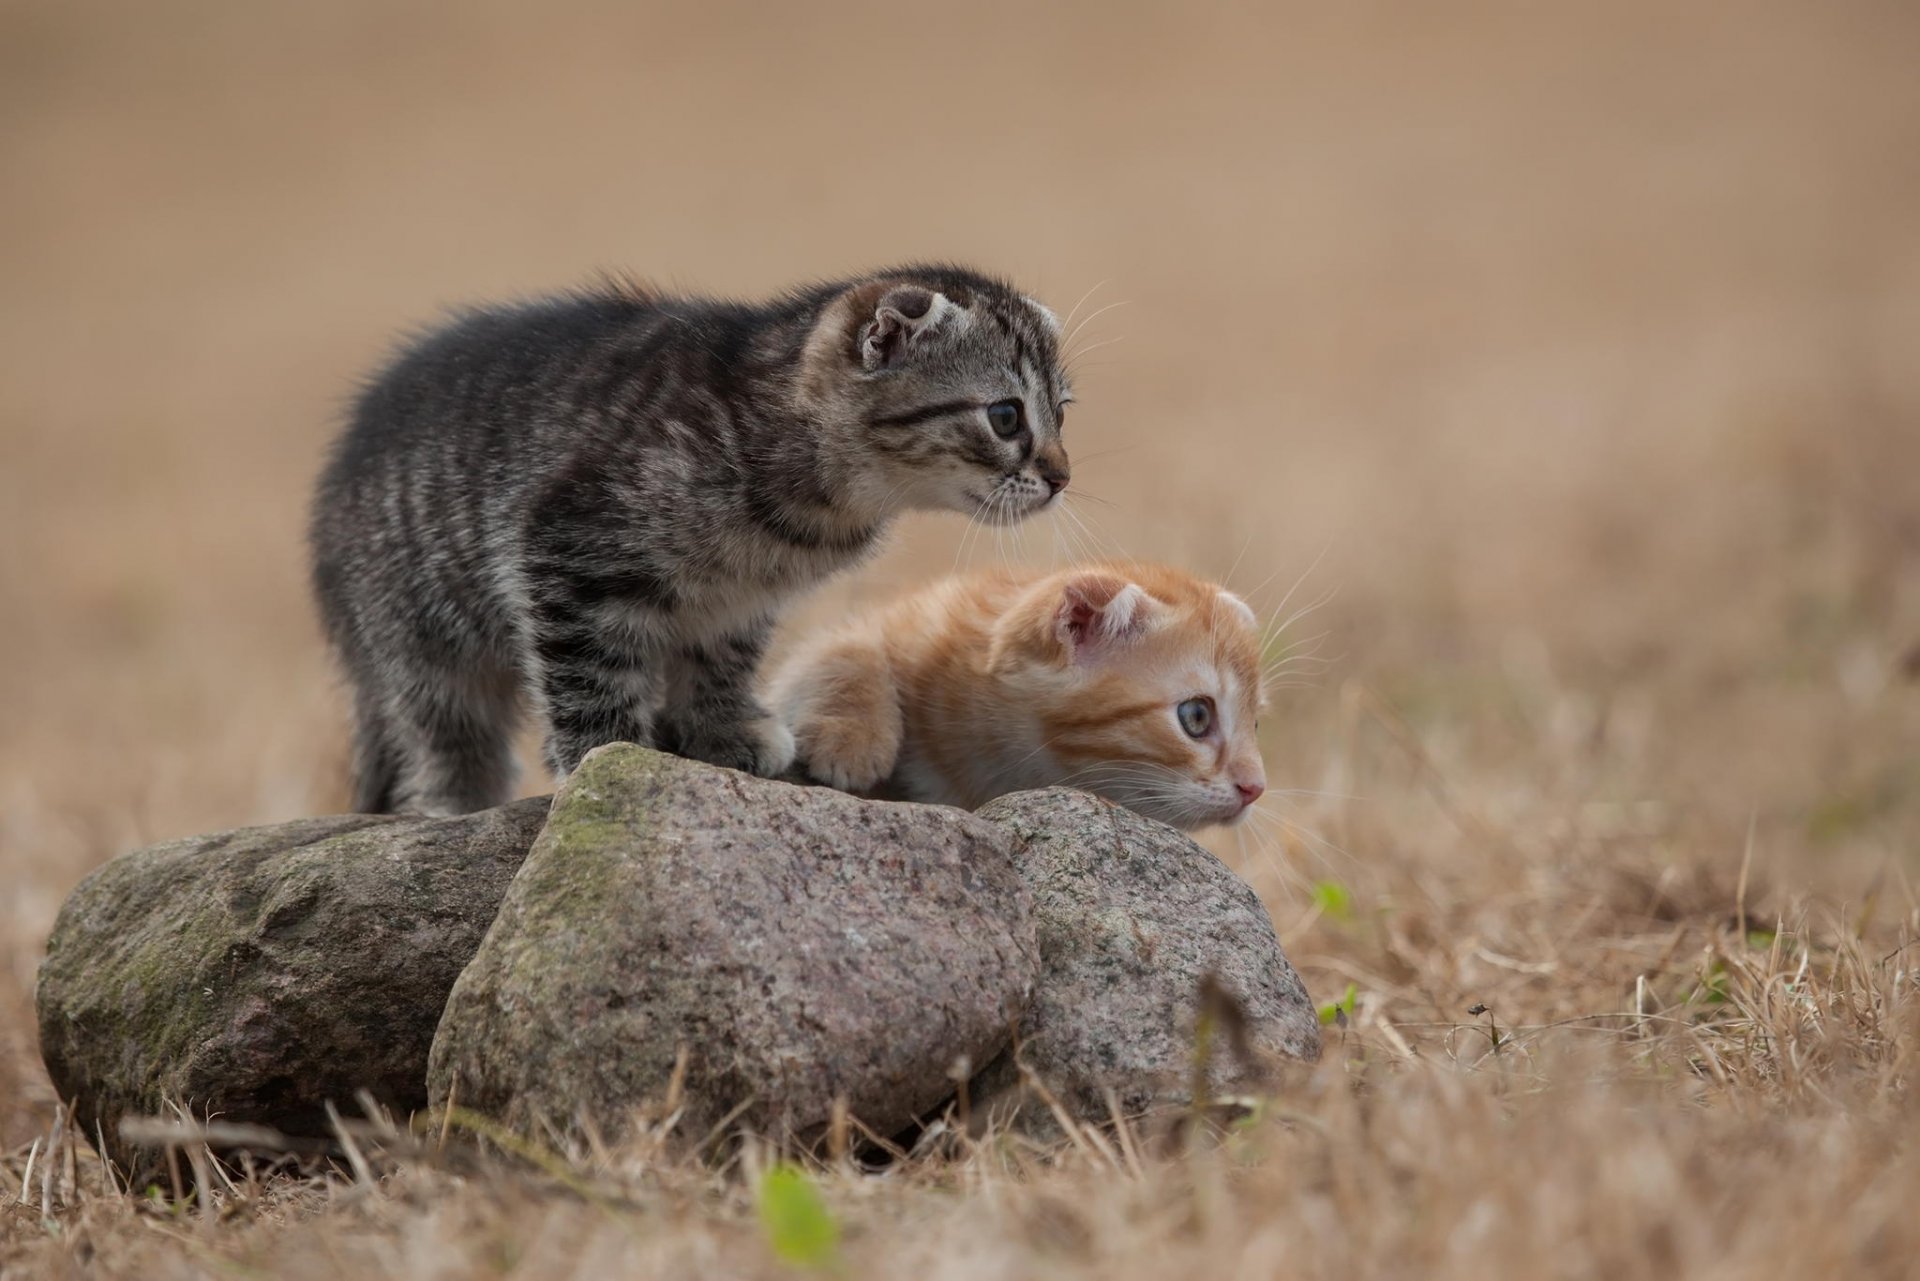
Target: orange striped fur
1004	680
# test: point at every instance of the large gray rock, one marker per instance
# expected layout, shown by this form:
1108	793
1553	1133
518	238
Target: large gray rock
798	943
1132	917
259	974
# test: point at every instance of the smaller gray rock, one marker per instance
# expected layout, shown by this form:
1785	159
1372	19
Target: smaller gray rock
258	975
1131	917
800	944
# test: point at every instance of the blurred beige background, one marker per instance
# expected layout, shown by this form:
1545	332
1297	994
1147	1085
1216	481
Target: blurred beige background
1583	340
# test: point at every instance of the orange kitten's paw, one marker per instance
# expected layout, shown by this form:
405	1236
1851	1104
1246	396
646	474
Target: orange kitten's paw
846	754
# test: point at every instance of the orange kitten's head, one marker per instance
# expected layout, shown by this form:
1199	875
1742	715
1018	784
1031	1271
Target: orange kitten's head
1146	683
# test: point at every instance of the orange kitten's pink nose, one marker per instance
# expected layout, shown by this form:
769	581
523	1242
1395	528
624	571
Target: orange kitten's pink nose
1249	792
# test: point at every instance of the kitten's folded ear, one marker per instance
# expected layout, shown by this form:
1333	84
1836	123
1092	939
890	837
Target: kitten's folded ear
903	317
1238	607
1097	611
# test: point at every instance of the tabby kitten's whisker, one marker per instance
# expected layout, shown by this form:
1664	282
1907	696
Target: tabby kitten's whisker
1088	543
1081	460
972	531
1075	309
1000	537
1096	531
1066	344
1080	493
1074	358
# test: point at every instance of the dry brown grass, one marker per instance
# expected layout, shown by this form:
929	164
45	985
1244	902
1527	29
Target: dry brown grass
1583	342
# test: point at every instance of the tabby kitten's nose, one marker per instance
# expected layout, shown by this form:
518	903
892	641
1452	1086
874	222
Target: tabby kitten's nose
1052	466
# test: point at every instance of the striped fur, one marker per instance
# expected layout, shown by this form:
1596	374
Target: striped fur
596	504
1005	680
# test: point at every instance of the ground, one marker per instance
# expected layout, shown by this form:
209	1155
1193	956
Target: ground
1563	357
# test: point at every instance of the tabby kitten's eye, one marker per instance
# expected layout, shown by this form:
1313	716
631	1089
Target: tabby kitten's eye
1196	716
1006	418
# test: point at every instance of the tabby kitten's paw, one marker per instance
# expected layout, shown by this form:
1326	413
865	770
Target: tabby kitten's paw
762	746
847	754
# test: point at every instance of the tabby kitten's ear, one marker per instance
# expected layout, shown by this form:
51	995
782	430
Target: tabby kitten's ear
1098	611
905	316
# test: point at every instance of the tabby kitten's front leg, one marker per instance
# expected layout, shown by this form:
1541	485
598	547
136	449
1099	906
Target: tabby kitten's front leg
711	714
596	686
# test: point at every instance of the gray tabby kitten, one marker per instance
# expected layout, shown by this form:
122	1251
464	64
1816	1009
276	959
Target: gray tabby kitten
597	503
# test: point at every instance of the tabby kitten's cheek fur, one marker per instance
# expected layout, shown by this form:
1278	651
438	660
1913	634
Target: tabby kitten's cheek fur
596	504
1140	683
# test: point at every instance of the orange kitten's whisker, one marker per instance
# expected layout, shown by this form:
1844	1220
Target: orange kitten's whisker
1300	830
1305	662
1310	675
1305	665
1274	633
1148	767
1269	632
1264	846
1009	773
1304	575
1238	557
1302	643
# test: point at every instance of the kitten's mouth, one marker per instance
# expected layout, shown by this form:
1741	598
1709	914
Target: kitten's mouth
1004	505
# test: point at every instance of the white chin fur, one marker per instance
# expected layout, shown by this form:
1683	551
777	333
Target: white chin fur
1192	814
1006	510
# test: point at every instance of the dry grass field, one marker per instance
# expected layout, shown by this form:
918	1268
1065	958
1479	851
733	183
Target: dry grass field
1568	356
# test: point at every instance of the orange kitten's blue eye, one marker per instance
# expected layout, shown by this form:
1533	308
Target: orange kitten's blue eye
1005	417
1196	716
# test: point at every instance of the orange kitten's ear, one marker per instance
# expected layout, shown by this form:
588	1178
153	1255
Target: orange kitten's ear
1097	611
1238	607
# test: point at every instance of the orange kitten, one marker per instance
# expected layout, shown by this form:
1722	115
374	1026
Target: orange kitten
1135	682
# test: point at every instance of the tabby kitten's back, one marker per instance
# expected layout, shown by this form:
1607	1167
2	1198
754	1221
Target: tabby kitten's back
1138	682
